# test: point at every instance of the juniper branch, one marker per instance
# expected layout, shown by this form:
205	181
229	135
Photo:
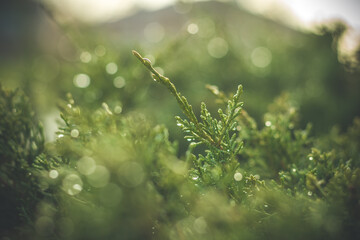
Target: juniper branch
182	101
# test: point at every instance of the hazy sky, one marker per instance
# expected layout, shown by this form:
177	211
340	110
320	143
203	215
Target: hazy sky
306	10
313	10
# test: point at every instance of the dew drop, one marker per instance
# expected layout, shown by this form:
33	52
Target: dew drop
100	51
147	60
200	225
81	80
192	28
294	170
77	187
238	176
53	174
74	133
217	47
99	177
311	158
111	68
261	57
72	184
151	59
86	165
85	57
119	82
118	109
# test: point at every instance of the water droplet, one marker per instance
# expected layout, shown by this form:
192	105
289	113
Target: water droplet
81	80
147	60
53	174
119	82
195	178
238	176
74	133
118	109
266	205
150	59
100	177
294	169
192	28
72	184
100	51
268	123
86	165
77	187
217	47
311	158
261	57
200	225
85	57
189	139
111	68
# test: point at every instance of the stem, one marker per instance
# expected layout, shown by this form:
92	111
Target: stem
184	105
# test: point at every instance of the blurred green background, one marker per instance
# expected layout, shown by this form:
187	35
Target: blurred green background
49	52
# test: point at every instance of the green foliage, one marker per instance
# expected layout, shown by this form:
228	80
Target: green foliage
21	141
113	175
115	172
280	152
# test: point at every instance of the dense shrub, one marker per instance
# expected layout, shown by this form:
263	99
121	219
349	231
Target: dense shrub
113	175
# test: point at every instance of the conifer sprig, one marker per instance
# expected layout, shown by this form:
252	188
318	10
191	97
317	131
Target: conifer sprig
217	134
182	101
